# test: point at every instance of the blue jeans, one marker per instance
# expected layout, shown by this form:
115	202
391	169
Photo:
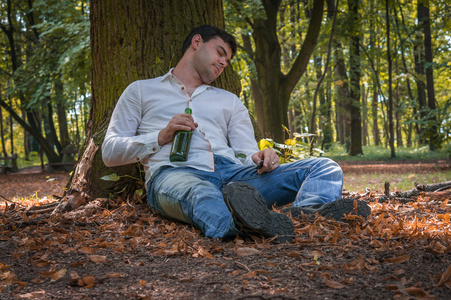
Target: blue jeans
195	196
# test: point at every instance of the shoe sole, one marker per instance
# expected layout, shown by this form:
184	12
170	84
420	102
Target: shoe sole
249	209
339	208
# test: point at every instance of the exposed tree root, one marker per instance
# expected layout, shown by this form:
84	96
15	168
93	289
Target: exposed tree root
80	188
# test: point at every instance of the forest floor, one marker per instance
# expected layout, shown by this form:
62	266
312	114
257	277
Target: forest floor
110	250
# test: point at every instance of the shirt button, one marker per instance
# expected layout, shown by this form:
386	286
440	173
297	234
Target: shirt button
153	149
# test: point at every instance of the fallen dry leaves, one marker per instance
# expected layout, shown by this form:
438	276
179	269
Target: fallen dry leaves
119	227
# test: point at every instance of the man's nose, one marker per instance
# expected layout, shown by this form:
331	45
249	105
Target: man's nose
223	62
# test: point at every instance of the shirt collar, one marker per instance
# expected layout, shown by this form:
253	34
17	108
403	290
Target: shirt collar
169	76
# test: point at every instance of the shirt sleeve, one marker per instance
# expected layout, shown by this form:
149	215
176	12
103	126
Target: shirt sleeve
122	145
241	134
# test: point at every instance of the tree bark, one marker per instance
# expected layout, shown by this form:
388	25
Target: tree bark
424	20
342	94
133	40
391	134
364	94
2	134
276	87
406	71
354	76
61	114
374	79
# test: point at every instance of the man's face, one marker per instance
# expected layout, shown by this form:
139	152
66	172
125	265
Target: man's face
211	59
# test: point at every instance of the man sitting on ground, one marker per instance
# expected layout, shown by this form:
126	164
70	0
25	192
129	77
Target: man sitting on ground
219	189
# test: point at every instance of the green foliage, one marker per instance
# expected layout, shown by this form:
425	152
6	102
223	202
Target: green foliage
47	64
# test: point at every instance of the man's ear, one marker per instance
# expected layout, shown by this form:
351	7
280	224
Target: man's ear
196	41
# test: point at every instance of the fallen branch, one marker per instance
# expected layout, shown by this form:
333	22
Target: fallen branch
40	211
414	193
433	187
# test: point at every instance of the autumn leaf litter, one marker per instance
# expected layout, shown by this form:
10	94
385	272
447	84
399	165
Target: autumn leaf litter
118	249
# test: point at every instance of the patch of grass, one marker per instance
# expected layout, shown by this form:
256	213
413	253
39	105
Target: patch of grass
373	153
34	160
400	182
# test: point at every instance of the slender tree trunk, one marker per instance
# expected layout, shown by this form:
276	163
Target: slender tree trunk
364	116
374	79
409	135
61	114
391	135
421	89
374	109
342	93
406	71
424	20
26	139
77	125
320	75
49	127
398	109
11	130
354	76
328	132
2	133
317	64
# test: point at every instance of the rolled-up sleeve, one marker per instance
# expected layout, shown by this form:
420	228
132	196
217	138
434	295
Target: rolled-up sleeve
122	145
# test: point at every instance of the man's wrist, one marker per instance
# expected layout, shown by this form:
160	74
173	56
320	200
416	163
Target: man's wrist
163	138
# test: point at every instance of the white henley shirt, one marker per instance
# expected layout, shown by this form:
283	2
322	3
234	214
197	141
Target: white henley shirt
146	107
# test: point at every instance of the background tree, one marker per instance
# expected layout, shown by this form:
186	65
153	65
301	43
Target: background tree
354	76
273	86
424	21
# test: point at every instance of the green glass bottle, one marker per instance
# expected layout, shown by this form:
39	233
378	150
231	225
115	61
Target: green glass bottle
180	144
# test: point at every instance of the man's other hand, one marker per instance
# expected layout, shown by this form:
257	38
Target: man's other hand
270	160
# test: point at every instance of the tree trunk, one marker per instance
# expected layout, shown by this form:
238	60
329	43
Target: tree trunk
61	113
391	134
2	133
11	129
49	127
398	110
406	71
327	112
375	85
421	88
364	116
424	20
354	76
26	140
133	40
342	94
276	87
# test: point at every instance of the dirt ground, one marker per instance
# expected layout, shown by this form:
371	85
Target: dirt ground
110	250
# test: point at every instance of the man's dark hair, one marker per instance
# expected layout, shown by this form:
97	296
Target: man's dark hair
208	32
